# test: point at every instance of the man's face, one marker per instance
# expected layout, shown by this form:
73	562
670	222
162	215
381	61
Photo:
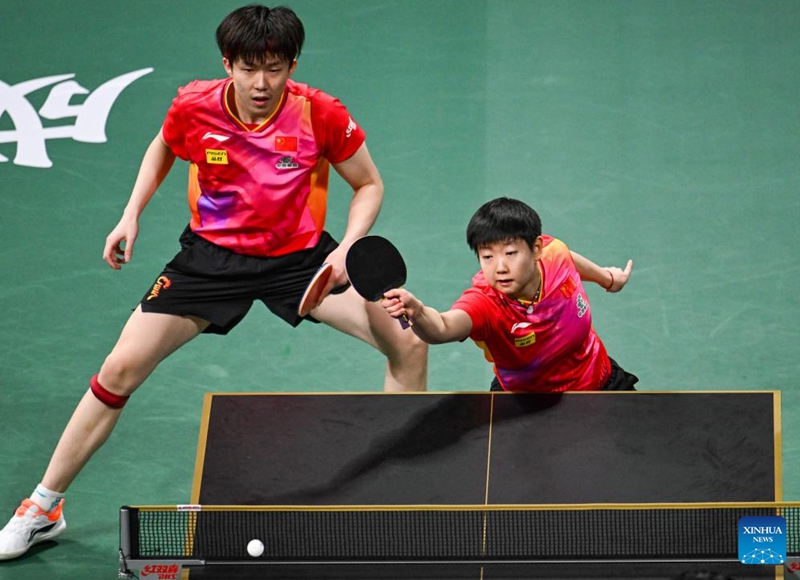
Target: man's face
258	86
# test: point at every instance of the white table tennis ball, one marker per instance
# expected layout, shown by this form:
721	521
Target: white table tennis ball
255	548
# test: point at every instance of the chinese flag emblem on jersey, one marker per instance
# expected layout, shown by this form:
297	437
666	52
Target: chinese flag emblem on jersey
568	287
285	143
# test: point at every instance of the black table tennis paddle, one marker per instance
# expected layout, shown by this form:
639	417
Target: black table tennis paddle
374	266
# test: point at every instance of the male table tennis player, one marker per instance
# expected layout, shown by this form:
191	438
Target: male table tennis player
259	146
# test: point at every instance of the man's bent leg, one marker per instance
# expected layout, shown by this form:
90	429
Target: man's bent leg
406	354
146	340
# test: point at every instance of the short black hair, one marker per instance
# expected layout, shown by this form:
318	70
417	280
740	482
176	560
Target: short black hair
251	32
501	220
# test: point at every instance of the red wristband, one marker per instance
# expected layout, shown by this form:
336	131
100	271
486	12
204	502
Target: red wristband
610	273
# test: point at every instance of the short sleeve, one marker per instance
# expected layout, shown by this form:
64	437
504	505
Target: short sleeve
337	134
173	129
472	302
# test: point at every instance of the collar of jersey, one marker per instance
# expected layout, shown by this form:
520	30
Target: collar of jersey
242	124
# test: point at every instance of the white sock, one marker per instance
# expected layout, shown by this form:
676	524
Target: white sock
46	498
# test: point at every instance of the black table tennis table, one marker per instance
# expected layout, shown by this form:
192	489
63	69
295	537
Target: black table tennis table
488	449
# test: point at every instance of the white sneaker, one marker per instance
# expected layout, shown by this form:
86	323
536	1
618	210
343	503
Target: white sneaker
30	525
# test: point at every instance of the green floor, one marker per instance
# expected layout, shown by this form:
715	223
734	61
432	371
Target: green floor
660	130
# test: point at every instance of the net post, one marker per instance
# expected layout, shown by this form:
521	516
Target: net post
129	533
125	531
124	542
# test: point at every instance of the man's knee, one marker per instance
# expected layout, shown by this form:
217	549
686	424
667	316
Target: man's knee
105	396
411	347
117	376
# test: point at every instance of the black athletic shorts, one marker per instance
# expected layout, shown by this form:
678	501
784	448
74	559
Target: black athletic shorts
220	286
620	380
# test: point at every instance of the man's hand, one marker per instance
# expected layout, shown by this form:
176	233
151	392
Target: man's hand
119	243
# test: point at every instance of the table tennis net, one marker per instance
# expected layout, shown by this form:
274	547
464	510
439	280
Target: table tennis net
658	532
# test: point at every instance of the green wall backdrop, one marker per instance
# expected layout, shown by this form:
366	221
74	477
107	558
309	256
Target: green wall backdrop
660	130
